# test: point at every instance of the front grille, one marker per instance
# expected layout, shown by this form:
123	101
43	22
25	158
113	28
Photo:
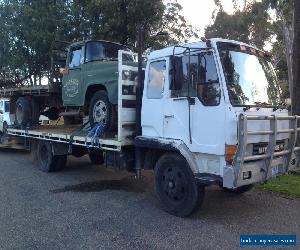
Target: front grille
261	148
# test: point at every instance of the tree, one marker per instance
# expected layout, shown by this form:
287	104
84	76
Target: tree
249	25
296	60
29	27
283	28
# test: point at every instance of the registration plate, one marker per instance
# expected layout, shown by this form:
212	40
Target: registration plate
275	170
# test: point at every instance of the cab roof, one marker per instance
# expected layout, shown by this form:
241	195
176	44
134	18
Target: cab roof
95	40
202	44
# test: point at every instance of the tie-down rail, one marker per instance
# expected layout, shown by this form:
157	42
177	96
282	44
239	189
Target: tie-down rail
243	133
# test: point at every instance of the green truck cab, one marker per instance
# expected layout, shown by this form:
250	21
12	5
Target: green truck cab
90	81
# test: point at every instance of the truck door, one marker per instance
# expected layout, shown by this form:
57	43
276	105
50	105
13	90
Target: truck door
153	98
72	82
193	111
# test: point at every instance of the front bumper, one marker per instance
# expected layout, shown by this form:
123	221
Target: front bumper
246	170
253	172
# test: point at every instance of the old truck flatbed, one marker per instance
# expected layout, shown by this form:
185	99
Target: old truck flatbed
78	135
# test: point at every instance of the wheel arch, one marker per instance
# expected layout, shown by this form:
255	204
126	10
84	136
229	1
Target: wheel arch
91	90
154	148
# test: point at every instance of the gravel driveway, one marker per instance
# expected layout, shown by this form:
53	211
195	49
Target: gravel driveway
90	207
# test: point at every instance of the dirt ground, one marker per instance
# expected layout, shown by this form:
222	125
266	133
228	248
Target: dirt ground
91	207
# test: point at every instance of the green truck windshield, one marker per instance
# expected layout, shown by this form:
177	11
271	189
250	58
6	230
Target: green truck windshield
250	79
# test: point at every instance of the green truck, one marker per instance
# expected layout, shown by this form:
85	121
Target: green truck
90	82
89	88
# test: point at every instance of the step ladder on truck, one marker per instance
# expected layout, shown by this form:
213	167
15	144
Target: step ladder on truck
210	114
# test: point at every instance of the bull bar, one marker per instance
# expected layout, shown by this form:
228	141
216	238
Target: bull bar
241	160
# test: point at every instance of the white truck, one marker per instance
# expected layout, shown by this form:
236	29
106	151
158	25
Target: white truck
211	113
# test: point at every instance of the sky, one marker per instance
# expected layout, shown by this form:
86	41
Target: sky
198	13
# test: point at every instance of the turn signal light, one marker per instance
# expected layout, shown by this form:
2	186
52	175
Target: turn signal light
230	151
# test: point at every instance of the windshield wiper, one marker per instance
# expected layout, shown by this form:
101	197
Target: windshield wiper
262	103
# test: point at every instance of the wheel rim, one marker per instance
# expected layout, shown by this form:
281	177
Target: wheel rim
174	184
100	112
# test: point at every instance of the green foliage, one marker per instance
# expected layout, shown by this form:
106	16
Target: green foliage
249	25
29	27
288	184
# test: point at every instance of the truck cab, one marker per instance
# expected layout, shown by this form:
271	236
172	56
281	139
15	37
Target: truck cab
216	104
90	80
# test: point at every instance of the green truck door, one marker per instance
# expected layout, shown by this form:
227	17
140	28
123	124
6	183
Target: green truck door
73	81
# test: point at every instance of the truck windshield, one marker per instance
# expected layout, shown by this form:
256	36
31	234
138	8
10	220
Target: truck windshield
250	79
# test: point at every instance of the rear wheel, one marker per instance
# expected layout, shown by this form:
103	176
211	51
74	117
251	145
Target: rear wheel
48	162
176	187
3	132
5	127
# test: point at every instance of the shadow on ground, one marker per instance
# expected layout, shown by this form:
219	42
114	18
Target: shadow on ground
127	184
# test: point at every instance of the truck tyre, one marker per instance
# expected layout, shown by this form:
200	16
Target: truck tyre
3	132
239	190
5	127
23	112
35	107
101	111
96	157
48	162
176	186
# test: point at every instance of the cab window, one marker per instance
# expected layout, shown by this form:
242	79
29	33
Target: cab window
75	56
196	76
156	79
6	106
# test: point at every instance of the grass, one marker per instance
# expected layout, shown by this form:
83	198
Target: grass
287	184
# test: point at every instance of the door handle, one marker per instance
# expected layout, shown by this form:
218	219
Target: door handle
169	116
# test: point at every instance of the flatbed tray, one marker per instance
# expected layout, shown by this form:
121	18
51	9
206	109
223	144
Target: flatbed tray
71	134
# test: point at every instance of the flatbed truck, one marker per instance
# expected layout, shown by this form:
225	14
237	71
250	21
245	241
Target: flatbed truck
210	113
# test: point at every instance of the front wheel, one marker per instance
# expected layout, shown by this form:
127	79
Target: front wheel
101	111
176	187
